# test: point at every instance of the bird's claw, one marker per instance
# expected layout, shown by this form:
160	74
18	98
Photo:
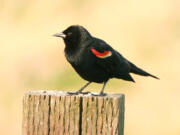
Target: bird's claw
73	93
78	92
84	93
102	94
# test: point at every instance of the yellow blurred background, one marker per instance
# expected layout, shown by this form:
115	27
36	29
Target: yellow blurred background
147	32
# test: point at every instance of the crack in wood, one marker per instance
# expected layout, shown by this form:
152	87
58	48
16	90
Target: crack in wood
49	114
80	115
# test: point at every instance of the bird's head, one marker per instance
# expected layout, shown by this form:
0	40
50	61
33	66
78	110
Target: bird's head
73	35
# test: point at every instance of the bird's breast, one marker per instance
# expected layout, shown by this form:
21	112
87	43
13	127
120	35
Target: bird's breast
85	65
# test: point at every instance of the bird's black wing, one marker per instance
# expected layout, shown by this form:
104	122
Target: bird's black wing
110	60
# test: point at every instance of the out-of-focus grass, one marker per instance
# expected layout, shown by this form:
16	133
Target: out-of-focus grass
65	80
56	81
145	32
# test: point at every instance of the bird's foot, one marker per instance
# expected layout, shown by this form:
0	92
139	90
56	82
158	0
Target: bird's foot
85	93
99	94
78	92
102	94
73	93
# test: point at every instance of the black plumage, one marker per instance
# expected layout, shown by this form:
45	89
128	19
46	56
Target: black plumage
94	60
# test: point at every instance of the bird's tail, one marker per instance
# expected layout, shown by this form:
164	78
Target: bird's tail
136	70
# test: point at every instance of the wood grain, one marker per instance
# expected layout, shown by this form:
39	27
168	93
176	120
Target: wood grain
58	113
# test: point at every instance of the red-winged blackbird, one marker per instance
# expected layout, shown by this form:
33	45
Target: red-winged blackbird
94	60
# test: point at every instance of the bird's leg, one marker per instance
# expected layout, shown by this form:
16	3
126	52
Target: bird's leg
102	91
81	89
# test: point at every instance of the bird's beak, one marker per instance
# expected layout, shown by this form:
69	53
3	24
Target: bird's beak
62	35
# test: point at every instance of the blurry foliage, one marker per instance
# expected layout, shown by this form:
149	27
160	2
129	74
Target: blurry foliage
70	80
65	79
57	81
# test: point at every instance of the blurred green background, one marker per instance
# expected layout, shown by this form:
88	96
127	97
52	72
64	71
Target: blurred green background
146	32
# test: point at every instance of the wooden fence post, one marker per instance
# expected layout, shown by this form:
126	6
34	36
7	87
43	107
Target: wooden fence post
58	113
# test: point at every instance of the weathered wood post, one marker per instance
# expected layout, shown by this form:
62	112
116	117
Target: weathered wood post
58	113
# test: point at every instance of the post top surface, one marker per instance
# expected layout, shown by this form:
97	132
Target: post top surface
65	93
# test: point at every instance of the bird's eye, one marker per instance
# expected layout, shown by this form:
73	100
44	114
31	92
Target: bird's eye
69	34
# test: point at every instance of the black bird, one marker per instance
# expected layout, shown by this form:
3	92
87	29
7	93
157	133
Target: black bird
94	60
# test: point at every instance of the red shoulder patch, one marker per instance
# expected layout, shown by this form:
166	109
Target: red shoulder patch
104	54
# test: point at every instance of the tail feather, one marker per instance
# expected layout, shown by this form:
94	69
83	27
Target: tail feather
136	70
127	77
